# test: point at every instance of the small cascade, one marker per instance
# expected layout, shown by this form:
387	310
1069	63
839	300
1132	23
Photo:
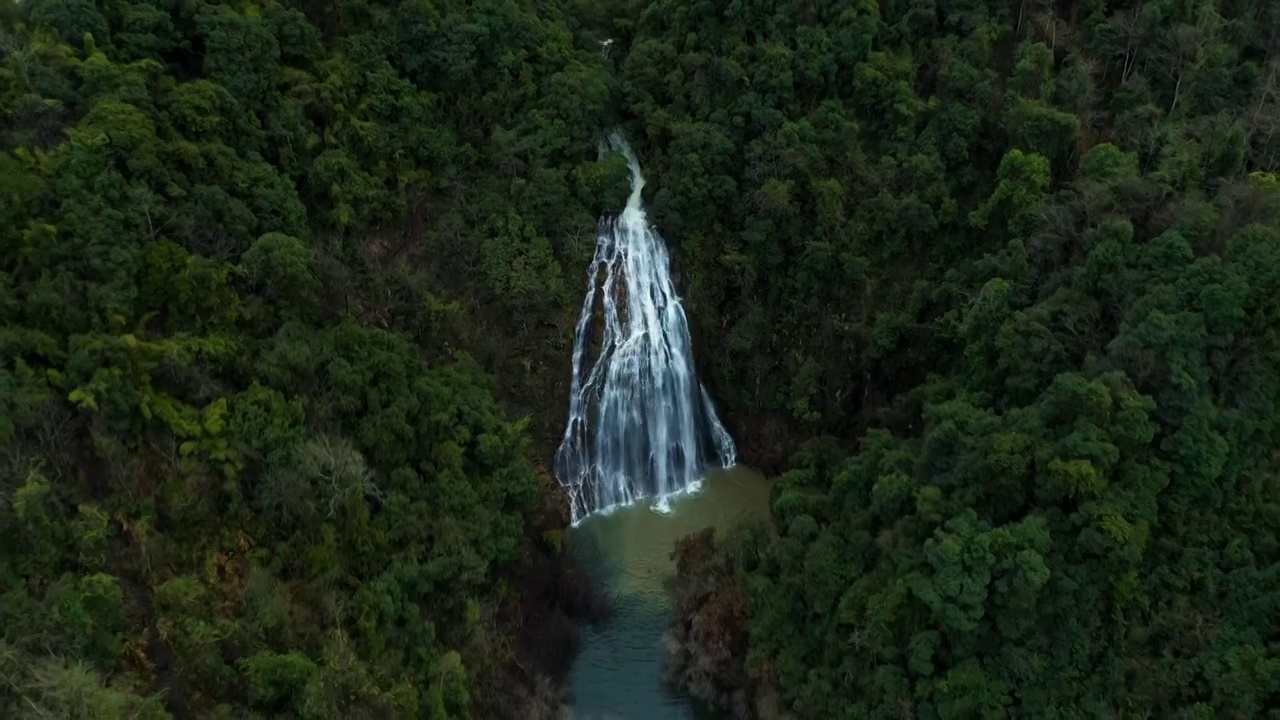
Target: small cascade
640	423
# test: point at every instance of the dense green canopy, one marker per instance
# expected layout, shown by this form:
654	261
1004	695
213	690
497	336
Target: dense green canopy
1018	262
244	471
1050	234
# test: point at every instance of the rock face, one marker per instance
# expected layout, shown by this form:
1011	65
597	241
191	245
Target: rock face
707	643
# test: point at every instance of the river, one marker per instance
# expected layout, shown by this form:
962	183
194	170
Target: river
618	674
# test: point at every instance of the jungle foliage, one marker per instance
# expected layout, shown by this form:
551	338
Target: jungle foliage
1020	259
245	472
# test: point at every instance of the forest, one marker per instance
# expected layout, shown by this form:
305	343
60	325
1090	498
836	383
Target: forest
250	468
287	294
1008	270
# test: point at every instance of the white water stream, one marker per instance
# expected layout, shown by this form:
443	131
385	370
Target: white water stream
640	423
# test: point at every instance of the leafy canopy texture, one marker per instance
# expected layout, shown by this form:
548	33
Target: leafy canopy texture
1020	260
245	473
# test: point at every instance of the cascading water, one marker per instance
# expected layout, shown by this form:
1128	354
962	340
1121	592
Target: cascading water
640	424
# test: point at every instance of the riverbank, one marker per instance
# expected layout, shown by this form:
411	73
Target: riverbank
536	629
621	670
707	643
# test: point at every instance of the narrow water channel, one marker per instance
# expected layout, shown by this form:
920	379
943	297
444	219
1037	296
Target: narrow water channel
618	674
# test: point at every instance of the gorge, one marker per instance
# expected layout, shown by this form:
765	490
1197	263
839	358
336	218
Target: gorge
292	309
641	438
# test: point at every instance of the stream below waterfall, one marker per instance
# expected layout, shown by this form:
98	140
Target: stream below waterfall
644	460
619	673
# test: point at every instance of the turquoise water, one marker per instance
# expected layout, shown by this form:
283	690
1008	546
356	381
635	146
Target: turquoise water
618	674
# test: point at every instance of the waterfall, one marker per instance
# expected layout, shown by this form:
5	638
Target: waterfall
640	423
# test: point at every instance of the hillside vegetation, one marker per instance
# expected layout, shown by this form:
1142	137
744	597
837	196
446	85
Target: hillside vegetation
287	290
245	470
1021	260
